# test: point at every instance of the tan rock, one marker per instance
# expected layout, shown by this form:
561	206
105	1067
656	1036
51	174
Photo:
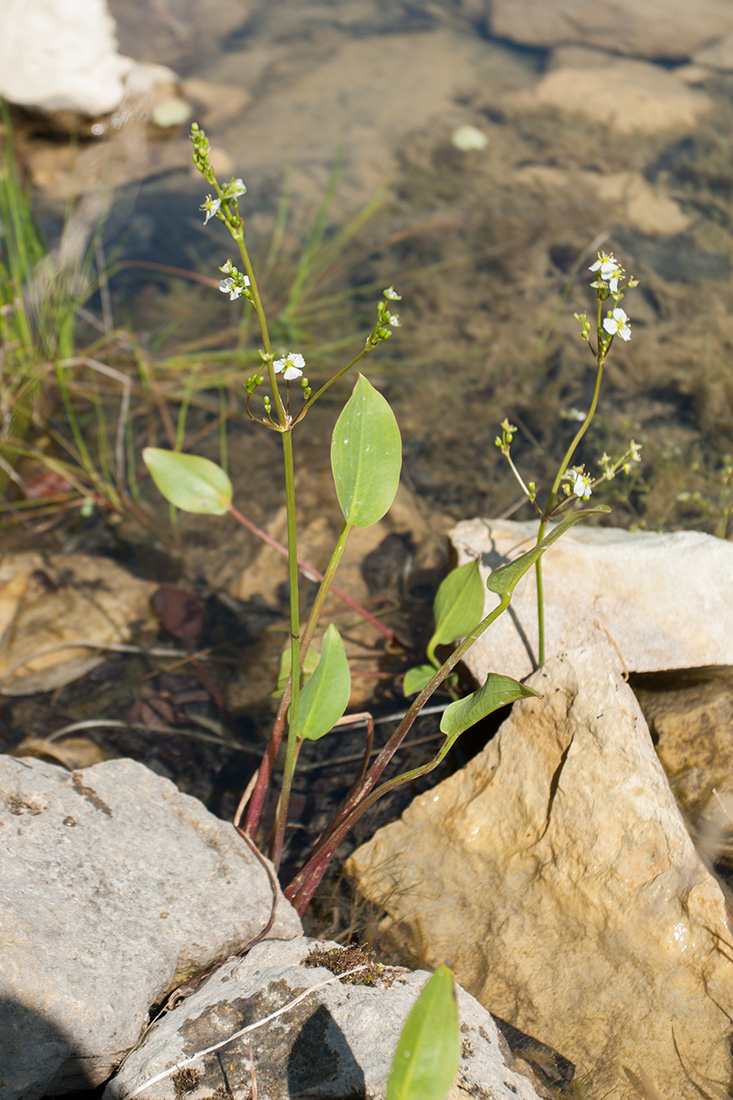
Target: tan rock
50	607
661	601
631	97
555	874
717	55
655	28
690	714
626	195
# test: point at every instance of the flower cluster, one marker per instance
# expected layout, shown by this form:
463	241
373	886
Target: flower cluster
610	282
386	320
236	284
577	483
228	197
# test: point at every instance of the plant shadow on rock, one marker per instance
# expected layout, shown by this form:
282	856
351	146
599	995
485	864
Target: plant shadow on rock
38	1058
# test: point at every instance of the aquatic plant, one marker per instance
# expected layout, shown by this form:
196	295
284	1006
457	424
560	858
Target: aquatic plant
366	456
573	483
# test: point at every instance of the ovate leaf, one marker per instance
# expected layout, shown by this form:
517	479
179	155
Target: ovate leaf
504	579
366	456
429	1049
458	607
325	697
495	693
416	678
191	483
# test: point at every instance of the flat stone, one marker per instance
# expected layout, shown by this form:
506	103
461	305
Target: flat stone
51	604
668	29
646	98
661	601
338	1041
116	888
626	195
556	875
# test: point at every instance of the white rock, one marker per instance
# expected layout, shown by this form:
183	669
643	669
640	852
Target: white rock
61	55
661	601
339	1041
116	888
555	874
656	28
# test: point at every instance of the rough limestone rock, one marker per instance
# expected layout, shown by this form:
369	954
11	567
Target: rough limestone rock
643	98
555	874
689	715
116	888
339	1041
669	29
660	600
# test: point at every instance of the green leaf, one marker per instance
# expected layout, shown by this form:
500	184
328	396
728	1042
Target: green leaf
416	678
325	697
429	1049
366	456
458	607
495	693
504	579
191	483
312	658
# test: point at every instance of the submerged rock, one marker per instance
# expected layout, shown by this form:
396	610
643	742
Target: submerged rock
556	875
665	29
116	888
338	1041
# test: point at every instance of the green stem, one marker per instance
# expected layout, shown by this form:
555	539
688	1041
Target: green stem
603	347
324	587
301	889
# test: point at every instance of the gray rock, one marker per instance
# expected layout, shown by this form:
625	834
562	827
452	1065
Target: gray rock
116	888
337	1041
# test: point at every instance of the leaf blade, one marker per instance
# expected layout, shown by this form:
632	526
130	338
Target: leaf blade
496	692
325	697
428	1053
504	579
458	605
190	482
366	456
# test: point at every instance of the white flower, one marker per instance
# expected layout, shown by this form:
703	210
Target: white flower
235	189
394	320
211	206
292	366
610	270
392	294
580	483
617	324
234	287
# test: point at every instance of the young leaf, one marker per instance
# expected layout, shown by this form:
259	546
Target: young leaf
416	678
191	483
495	693
366	456
325	697
458	607
504	579
429	1049
310	663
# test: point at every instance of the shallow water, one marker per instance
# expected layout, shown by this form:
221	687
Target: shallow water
482	260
